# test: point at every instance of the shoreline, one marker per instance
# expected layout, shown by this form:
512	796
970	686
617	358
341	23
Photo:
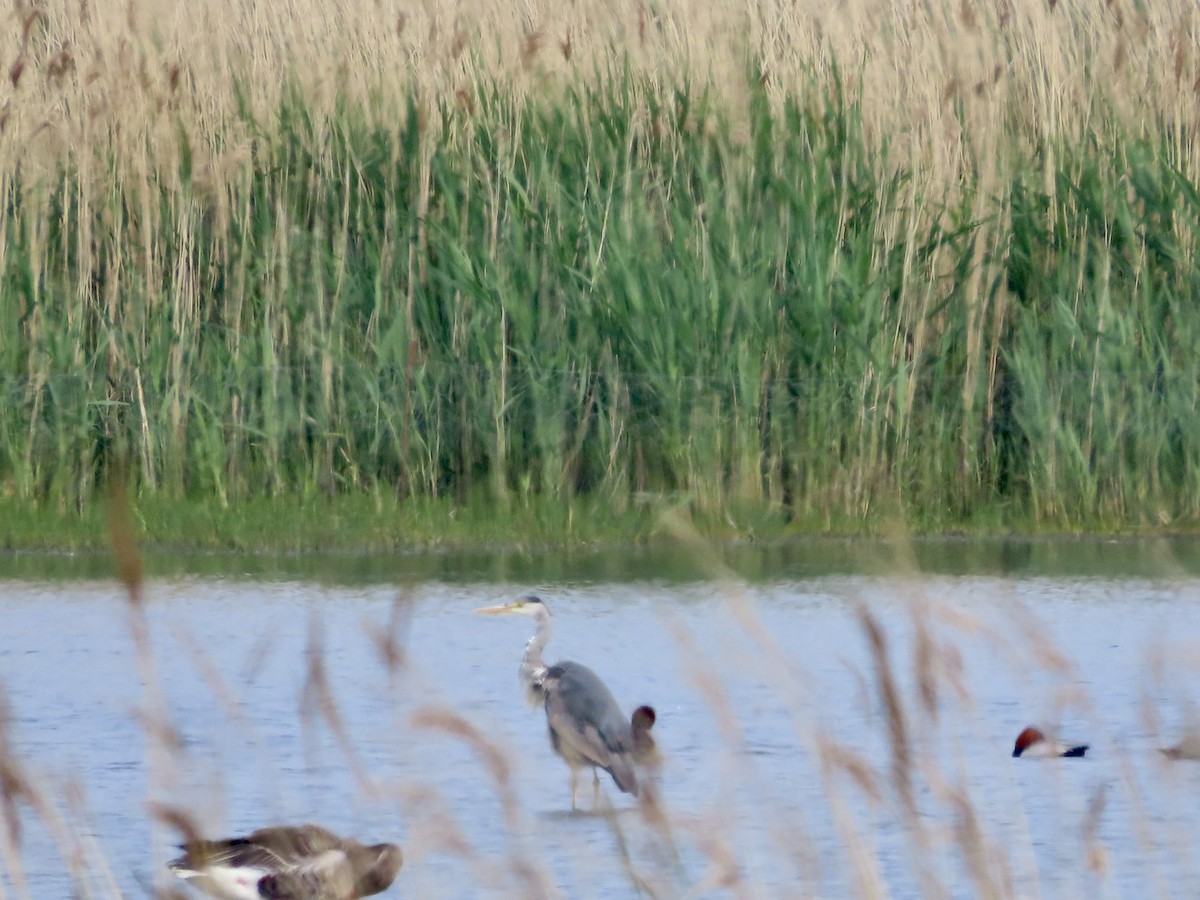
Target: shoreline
340	541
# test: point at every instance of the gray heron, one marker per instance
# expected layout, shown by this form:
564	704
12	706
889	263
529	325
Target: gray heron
587	727
305	862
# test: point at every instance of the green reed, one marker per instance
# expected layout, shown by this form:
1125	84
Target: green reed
612	297
1106	409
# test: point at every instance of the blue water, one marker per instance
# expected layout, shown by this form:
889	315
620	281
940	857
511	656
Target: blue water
754	685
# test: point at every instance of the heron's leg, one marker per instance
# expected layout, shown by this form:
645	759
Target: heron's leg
574	786
595	786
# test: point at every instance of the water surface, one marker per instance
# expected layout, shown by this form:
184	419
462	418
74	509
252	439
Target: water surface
751	678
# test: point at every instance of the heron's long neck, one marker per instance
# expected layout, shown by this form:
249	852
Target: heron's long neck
532	666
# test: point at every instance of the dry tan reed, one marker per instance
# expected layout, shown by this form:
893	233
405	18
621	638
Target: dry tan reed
944	84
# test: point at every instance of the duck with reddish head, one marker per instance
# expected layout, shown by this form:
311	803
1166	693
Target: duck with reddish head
1032	743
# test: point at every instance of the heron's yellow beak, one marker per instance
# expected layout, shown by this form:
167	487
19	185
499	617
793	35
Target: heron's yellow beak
499	610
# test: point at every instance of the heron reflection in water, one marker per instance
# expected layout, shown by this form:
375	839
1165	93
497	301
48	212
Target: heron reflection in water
587	727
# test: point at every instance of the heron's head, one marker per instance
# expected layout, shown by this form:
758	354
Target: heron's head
529	605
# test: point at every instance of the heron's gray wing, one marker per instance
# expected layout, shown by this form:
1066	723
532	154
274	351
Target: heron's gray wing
586	723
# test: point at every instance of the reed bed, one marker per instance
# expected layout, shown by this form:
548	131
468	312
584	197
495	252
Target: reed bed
801	265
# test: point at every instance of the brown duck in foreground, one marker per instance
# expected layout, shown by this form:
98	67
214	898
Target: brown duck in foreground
303	862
